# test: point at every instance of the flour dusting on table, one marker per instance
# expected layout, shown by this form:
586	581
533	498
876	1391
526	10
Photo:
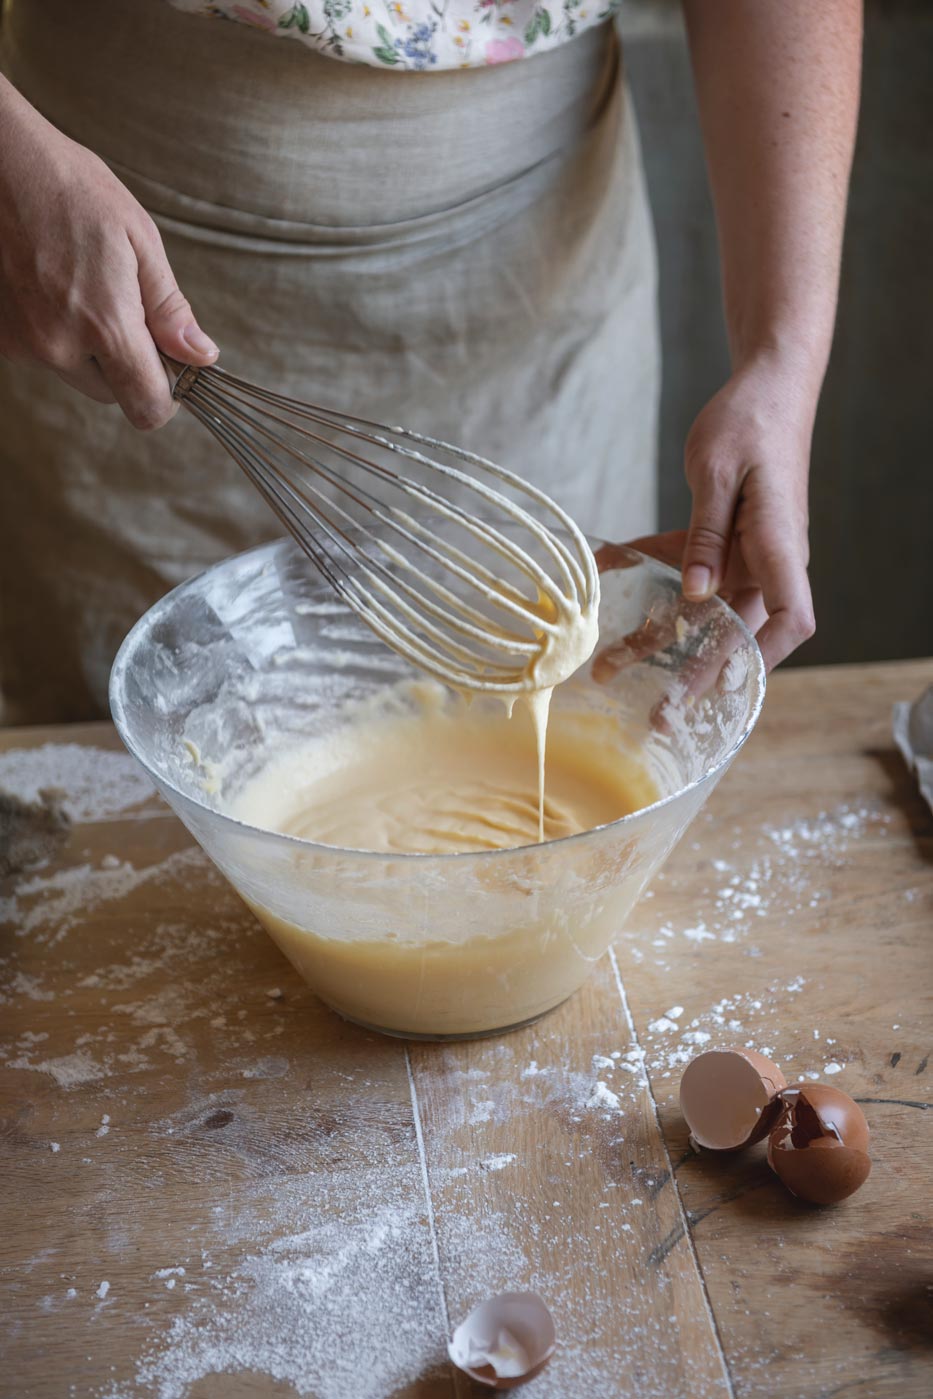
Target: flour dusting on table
97	783
787	871
309	1255
341	1305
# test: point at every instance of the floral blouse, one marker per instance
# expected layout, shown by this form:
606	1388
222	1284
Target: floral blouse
419	35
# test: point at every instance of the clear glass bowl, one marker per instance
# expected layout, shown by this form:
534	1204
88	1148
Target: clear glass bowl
255	655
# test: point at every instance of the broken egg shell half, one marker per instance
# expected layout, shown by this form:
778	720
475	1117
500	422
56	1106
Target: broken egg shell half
505	1341
819	1147
729	1098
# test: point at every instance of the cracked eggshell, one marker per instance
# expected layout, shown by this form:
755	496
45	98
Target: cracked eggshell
819	1147
504	1341
729	1098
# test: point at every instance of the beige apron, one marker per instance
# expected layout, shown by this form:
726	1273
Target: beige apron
469	253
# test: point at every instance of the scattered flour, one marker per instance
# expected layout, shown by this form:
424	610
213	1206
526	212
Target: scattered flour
699	933
68	1072
668	1049
346	1306
663	1023
273	1066
497	1163
785	876
603	1097
21	984
52	905
98	783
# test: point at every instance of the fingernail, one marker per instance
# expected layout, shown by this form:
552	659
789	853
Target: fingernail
697	580
194	336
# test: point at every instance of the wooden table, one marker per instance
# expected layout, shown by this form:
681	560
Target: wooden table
214	1187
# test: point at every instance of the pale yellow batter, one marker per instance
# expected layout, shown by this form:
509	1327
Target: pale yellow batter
453	947
445	947
446	779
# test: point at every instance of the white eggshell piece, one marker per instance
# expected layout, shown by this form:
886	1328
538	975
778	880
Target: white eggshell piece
507	1356
512	1334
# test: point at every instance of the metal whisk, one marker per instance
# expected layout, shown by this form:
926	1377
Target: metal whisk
385	514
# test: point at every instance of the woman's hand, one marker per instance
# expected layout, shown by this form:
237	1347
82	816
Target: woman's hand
747	461
85	286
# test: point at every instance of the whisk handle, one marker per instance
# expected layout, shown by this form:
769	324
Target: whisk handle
181	377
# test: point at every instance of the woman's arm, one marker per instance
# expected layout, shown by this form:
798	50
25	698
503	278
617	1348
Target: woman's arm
777	83
85	286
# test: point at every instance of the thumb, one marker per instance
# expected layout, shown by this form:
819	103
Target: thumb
169	317
706	552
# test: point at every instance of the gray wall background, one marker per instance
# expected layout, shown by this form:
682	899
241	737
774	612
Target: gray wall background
872	472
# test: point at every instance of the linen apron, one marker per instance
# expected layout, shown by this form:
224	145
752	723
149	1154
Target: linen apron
466	252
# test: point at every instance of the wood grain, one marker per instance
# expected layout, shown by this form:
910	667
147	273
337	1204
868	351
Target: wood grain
542	1180
267	1148
810	1302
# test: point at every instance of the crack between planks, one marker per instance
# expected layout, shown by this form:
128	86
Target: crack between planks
898	1103
684	1217
426	1182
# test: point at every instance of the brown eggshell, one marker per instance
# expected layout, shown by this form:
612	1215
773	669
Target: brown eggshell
819	1147
729	1098
840	1117
822	1177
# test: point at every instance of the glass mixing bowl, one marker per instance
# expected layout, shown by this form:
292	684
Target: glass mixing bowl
233	668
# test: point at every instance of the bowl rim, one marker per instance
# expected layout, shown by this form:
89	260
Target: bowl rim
118	715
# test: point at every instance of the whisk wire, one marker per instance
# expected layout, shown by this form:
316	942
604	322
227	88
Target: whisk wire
281	494
419	591
480	529
477	625
499	593
371	432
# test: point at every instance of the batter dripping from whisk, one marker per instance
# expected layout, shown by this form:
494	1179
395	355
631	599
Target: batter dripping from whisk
562	653
446	778
427	773
440	778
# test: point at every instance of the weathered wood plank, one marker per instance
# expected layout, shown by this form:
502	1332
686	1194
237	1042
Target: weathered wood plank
204	1170
272	1151
545	1178
807	891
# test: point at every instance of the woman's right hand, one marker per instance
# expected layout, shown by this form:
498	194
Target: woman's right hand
85	286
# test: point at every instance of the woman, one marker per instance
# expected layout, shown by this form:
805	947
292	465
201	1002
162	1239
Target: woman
392	215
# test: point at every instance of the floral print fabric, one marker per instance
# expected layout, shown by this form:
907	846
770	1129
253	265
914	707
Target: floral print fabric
416	35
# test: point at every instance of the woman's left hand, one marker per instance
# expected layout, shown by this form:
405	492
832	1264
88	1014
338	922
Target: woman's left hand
747	459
